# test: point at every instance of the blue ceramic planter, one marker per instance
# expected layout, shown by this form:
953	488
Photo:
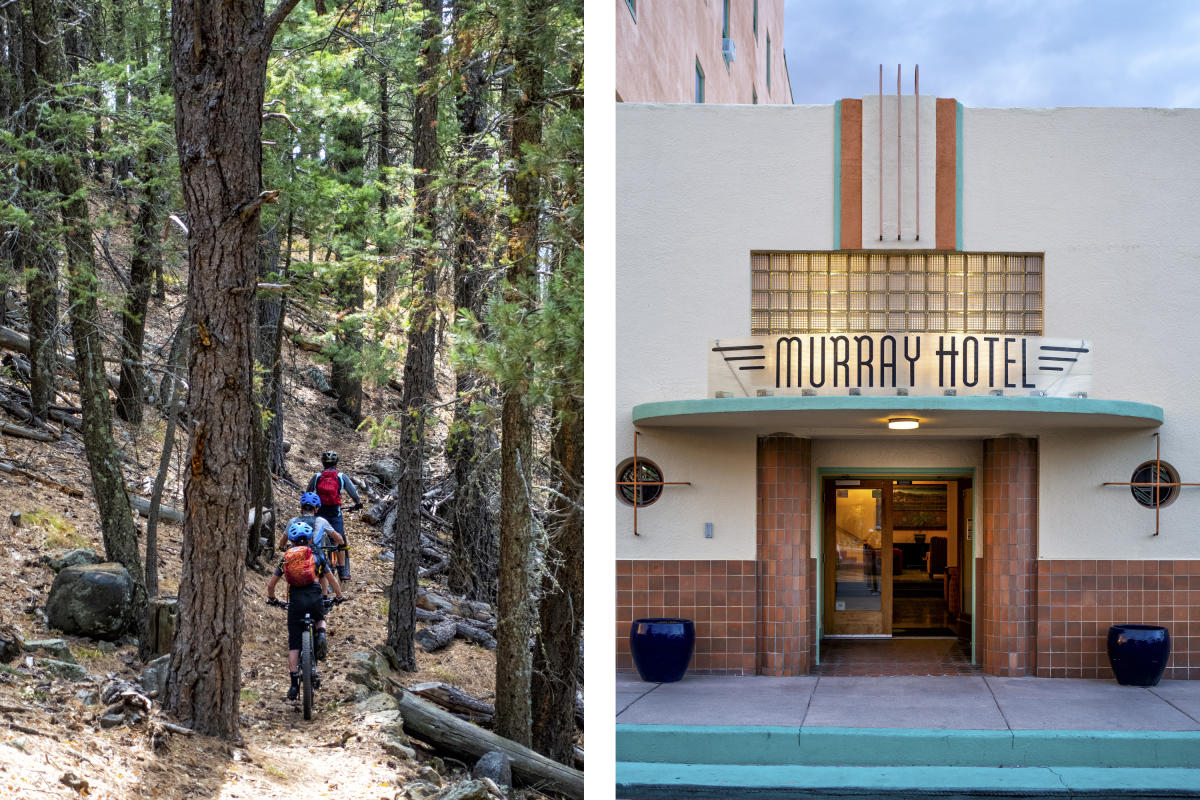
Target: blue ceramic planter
1138	653
662	648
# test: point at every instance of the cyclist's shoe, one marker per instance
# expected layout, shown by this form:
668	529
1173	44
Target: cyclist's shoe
337	601
344	575
327	603
322	646
294	691
316	681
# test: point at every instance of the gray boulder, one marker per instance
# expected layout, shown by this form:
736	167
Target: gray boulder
154	676
91	600
60	559
64	669
388	470
494	765
467	790
55	648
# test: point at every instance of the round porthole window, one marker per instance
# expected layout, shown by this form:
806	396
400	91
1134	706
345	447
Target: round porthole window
1154	472
642	494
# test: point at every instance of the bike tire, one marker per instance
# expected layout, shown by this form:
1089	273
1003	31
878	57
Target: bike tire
306	671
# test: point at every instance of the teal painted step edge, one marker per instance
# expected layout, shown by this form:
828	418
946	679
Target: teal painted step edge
765	745
699	780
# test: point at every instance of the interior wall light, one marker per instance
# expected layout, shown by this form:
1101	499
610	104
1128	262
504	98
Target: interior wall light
903	423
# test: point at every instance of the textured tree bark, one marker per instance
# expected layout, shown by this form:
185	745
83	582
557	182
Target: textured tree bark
133	331
471	441
556	658
515	598
220	50
385	282
419	383
344	373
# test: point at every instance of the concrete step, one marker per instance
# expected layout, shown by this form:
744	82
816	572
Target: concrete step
662	780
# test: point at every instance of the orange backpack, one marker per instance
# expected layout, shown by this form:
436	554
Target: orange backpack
300	566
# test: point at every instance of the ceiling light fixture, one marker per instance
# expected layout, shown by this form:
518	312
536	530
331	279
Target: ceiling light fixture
903	423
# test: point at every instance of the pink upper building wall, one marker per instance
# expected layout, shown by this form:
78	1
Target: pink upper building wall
660	42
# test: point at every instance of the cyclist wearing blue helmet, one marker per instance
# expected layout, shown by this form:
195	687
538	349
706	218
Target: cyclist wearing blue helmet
323	536
302	570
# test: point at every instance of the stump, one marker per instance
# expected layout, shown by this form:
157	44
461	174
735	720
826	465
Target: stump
164	615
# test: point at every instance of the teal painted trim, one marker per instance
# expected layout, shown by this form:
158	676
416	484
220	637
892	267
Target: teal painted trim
726	780
881	747
647	412
958	176
837	175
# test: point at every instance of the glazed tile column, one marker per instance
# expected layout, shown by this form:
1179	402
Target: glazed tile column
1008	591
785	590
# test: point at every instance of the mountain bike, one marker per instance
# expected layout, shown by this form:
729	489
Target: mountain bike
309	679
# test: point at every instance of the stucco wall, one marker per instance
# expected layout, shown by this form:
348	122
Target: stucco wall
1109	195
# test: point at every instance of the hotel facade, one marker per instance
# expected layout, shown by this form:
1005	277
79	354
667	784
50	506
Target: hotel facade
796	284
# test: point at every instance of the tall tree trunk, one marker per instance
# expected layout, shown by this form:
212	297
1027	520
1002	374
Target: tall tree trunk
133	330
220	51
11	97
385	282
419	383
471	439
83	289
515	598
556	655
262	493
345	370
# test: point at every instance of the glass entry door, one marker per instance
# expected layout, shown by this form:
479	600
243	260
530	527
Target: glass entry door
858	558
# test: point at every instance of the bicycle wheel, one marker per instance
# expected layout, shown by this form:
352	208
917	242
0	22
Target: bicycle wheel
306	671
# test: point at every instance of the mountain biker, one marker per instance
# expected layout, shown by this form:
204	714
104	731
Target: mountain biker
303	569
329	484
323	533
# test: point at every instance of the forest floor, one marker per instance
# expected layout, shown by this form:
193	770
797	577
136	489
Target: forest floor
46	730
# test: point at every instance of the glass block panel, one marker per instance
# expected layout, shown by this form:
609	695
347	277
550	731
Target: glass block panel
818	282
858	301
956	262
1033	263
897	283
858	322
838	282
955	302
995	301
878	301
897	263
1013	283
818	301
858	283
799	280
799	301
995	322
955	284
759	320
878	262
799	321
818	262
837	321
916	263
1033	323
916	283
976	283
975	264
840	262
936	263
838	300
878	283
1013	302
917	322
779	300
779	320
975	302
936	283
818	321
759	280
995	263
799	262
779	281
779	261
1012	323
896	302
916	301
974	322
937	302
758	300
1033	302
759	261
1033	283
937	322
896	321
1014	264
858	262
954	321
877	321
995	283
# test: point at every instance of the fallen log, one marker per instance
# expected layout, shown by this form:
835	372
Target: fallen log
298	338
476	635
142	506
429	616
434	569
453	699
437	637
444	731
65	418
15	470
25	433
378	512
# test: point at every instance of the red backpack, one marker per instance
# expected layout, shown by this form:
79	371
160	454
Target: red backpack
300	566
329	488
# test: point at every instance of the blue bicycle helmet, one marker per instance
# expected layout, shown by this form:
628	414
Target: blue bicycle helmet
310	499
299	530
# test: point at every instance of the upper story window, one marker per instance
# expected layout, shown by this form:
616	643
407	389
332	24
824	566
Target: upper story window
753	96
756	20
699	82
877	292
725	32
768	62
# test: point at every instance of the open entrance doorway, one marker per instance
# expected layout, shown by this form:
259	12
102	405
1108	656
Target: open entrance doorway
897	554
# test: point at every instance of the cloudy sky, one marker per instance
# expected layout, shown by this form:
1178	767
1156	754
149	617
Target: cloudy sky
998	53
